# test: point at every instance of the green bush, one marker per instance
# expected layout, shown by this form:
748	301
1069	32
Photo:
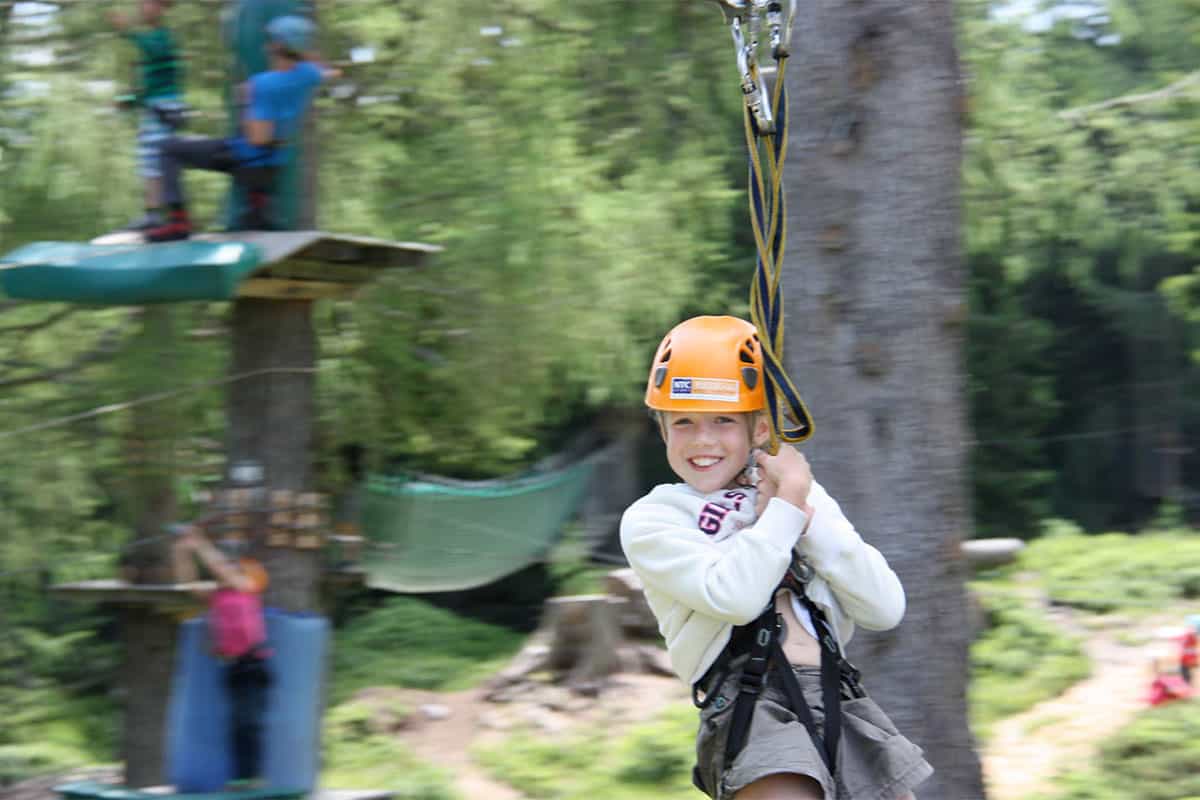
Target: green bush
407	642
1155	757
657	753
653	760
1115	571
540	767
46	729
1019	661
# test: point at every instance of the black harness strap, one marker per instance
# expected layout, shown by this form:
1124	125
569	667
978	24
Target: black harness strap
766	651
751	682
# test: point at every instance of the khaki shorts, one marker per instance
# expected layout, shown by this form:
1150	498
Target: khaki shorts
874	761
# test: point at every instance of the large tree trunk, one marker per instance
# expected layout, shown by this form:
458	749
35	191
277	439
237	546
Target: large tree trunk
271	421
271	416
875	313
149	658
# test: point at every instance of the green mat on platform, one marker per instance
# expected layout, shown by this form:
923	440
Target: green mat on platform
437	535
127	274
91	790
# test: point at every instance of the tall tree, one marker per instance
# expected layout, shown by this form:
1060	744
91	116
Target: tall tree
876	303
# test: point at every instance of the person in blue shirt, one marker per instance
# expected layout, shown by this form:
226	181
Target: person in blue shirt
274	103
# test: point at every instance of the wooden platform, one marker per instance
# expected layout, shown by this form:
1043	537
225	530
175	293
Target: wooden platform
170	595
318	264
121	269
177	596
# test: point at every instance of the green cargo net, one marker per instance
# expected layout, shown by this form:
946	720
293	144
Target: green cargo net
437	535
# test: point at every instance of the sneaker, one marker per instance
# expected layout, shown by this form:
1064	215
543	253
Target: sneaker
177	228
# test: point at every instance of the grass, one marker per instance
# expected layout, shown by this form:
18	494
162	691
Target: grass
652	760
1019	661
358	757
1155	757
412	644
1116	572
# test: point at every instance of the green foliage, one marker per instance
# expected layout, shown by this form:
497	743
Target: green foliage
407	642
1117	572
1155	757
1020	660
652	760
1080	217
356	758
46	729
655	753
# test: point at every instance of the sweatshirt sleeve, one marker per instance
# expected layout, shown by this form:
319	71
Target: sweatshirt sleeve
733	582
859	576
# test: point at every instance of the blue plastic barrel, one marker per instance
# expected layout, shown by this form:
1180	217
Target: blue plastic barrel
199	744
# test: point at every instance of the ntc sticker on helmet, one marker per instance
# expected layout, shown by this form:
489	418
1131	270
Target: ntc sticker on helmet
719	389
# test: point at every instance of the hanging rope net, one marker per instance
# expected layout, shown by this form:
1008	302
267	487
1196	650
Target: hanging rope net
427	534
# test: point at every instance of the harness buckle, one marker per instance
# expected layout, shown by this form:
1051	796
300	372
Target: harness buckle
754	674
852	677
800	571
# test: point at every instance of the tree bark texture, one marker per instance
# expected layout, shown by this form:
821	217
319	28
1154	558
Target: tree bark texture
149	650
271	423
149	449
875	316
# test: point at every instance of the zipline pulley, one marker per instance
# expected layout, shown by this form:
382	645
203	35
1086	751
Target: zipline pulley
745	19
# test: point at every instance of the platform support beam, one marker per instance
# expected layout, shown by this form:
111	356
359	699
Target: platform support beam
149	646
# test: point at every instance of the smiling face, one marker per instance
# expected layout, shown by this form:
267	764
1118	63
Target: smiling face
709	450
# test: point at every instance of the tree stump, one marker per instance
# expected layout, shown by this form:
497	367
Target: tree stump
580	643
637	620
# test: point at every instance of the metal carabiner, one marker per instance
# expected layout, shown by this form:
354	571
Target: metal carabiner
745	22
753	88
775	24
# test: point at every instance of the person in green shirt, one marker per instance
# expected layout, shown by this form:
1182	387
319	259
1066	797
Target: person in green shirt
158	97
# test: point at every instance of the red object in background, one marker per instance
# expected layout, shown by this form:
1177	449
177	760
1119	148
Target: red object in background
1166	688
1187	649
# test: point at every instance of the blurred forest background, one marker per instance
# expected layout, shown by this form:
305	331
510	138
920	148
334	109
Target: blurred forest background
583	166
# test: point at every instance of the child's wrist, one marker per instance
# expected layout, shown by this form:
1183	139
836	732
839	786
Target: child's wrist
797	495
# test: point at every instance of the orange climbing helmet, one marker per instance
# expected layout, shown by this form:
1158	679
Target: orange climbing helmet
708	364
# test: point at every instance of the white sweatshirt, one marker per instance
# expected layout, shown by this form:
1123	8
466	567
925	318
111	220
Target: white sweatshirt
706	565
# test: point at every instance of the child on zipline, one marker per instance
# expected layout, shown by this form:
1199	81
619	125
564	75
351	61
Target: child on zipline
757	585
157	98
273	108
238	632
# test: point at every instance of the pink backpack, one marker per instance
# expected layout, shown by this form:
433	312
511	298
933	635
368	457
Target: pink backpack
235	622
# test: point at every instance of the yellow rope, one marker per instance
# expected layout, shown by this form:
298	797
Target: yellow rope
767	301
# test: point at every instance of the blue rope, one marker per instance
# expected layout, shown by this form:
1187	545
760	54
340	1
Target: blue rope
790	419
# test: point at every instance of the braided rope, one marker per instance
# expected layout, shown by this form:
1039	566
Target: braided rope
790	418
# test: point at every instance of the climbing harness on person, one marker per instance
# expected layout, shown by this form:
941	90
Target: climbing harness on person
756	648
766	127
